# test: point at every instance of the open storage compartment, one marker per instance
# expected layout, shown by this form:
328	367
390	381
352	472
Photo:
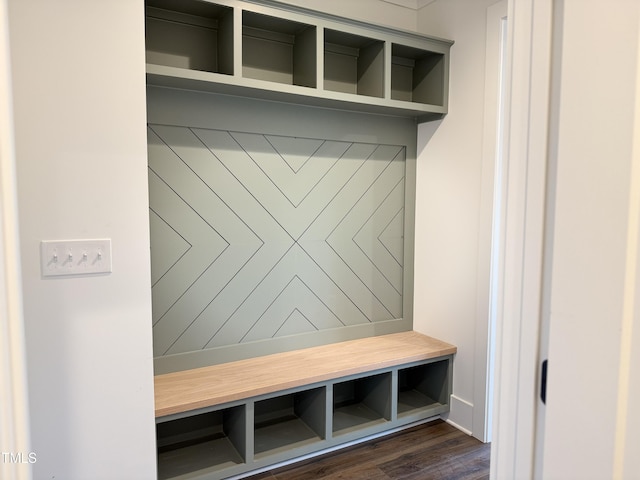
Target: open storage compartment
278	50
196	45
203	443
361	403
424	388
289	421
248	419
353	64
191	34
417	75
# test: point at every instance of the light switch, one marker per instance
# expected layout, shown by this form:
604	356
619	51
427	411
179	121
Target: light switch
75	257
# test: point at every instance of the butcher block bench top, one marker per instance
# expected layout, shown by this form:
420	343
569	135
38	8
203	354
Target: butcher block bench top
218	384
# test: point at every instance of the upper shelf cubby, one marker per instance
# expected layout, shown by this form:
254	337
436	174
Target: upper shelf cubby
278	50
417	75
353	64
192	35
270	50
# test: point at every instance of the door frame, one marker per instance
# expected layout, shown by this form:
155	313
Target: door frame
14	410
492	215
527	93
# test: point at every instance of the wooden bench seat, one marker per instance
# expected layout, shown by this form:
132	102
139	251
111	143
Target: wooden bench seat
218	384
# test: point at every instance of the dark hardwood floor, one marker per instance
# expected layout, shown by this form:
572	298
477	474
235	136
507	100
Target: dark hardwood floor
435	450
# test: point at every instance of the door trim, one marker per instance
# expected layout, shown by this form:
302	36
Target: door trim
14	410
518	320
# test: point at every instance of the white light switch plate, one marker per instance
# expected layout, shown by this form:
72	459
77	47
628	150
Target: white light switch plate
75	257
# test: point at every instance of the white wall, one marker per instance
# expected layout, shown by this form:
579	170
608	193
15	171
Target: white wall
448	199
79	100
379	12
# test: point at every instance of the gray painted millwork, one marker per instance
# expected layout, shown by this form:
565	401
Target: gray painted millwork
275	226
268	50
282	161
247	435
261	236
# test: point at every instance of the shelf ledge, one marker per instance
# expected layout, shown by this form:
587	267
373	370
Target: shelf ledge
173	77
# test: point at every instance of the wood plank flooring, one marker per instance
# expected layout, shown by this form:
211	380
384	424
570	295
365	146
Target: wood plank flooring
433	451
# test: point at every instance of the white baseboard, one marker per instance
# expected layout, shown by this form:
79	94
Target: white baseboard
455	425
460	415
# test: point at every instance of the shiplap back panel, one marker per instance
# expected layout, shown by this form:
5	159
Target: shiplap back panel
261	236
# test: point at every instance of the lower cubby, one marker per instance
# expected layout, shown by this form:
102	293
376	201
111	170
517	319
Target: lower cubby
289	421
205	443
361	403
423	388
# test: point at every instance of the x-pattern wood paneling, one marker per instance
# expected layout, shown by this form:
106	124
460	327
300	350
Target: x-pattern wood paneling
258	236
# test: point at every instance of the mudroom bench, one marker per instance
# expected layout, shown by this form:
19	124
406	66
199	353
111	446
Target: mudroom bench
225	420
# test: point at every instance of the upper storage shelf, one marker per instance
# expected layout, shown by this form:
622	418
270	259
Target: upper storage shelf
269	50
